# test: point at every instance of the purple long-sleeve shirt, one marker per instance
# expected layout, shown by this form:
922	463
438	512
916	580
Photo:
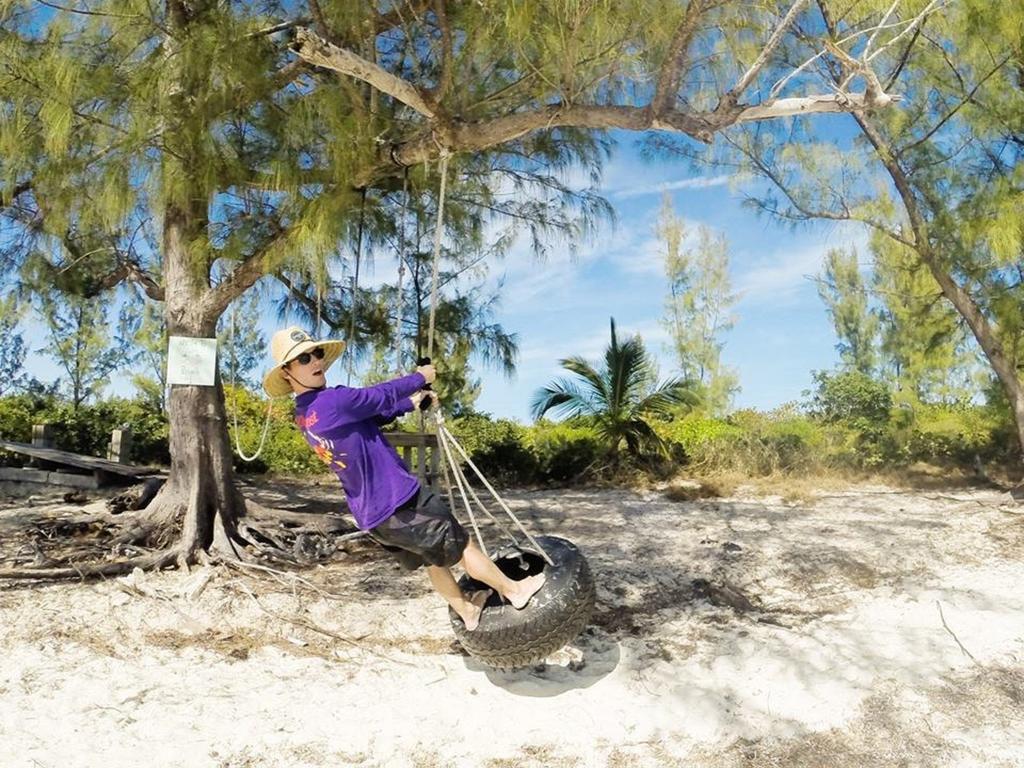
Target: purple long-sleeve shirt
341	425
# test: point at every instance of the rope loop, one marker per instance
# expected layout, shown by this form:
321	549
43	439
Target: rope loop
234	404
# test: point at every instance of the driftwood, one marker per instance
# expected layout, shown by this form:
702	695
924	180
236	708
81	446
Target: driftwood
156	560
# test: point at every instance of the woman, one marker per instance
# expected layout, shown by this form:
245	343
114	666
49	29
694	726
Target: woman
342	424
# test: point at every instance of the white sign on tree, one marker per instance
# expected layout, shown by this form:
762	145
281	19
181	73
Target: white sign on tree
191	361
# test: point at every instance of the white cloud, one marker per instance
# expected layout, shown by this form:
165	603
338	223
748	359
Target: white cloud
543	356
780	275
700	182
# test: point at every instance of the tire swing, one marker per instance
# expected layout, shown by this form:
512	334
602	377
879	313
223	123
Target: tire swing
507	638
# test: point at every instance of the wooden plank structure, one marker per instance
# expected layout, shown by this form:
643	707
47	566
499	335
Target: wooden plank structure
419	450
421	453
57	467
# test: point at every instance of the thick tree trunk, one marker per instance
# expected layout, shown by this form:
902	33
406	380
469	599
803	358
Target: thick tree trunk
200	492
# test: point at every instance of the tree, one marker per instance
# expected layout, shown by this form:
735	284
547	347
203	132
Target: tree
241	343
846	300
923	344
13	377
232	129
942	178
149	337
78	338
698	307
620	396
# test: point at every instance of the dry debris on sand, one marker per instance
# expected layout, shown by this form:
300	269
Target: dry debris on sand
869	626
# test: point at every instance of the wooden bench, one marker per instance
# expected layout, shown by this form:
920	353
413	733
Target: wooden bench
420	452
56	467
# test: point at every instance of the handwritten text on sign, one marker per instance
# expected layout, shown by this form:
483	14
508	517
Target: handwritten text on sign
191	361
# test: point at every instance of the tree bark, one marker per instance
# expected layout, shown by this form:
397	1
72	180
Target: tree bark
200	491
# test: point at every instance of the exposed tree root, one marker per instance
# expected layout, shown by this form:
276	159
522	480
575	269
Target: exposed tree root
153	561
189	530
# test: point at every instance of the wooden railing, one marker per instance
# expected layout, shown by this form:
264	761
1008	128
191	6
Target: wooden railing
420	452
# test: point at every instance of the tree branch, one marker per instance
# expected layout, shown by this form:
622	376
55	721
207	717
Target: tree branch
453	135
394	17
949	115
132	272
242	277
444	82
672	67
806	212
323	309
318	51
280	27
467	137
732	97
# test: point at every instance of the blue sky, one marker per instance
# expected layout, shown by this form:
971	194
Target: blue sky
561	306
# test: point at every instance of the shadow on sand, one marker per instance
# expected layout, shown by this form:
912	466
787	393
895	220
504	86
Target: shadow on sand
600	658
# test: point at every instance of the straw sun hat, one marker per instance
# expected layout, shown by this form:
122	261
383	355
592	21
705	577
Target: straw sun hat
288	344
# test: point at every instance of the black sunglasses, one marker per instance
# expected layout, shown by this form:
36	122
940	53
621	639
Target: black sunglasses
305	357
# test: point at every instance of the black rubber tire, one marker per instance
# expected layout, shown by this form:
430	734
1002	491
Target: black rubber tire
508	638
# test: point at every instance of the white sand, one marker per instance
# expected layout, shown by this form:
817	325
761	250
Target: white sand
133	672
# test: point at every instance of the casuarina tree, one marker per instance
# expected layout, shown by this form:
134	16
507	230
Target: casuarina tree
246	136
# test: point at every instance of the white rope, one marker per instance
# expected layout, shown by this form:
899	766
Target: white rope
469	488
445	438
234	404
442	429
459	479
438	232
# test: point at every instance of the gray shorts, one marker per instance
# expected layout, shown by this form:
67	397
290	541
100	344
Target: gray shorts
422	532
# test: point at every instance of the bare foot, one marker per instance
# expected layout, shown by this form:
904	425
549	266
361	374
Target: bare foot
474	607
525	589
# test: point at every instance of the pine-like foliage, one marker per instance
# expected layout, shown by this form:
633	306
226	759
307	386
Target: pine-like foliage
699	306
841	287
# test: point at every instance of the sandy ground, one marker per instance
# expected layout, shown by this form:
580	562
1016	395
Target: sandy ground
869	627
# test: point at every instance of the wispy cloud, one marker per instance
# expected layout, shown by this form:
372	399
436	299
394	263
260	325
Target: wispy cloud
780	275
591	346
700	182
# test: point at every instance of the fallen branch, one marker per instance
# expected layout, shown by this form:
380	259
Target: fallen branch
278	574
154	561
952	634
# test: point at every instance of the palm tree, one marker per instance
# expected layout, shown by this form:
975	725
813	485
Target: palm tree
619	396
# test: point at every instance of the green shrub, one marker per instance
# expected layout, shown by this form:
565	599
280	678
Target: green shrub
285	450
857	410
497	448
16	417
851	397
149	428
564	450
747	441
87	429
694	433
16	420
944	433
